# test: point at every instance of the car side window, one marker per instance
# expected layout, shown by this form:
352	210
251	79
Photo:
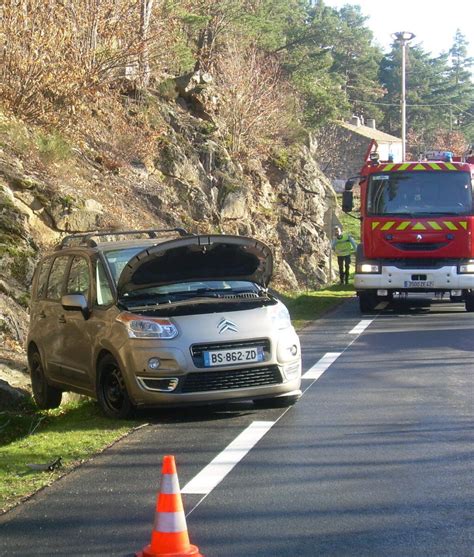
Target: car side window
104	293
42	278
78	281
56	278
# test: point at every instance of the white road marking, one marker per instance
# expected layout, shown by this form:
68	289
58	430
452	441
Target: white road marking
217	469
210	476
321	366
382	305
360	328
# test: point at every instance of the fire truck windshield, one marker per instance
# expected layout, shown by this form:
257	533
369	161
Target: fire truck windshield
420	193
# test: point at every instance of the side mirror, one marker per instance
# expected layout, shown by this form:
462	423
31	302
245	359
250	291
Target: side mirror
349	184
76	302
347	201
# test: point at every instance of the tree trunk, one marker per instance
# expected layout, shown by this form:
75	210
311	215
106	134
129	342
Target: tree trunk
144	59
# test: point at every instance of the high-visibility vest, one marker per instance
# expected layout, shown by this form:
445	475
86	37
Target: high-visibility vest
343	245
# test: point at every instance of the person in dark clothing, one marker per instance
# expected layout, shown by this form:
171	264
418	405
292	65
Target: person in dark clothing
343	246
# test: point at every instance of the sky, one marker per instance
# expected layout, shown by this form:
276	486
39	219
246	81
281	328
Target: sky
433	22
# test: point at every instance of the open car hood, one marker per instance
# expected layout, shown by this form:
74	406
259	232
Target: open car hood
195	258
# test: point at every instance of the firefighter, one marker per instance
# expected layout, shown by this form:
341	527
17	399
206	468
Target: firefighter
343	246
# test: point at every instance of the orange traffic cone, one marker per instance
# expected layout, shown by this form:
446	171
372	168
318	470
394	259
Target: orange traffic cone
169	537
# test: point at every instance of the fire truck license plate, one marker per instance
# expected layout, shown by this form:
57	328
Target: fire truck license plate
419	284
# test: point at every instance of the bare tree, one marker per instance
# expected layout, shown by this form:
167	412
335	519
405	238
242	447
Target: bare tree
255	106
144	57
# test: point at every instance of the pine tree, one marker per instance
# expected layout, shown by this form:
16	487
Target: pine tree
460	77
357	61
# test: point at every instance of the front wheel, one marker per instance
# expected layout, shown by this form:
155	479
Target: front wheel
367	301
45	395
469	302
112	394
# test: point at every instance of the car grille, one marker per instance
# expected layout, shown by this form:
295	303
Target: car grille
414	263
225	380
420	246
197	350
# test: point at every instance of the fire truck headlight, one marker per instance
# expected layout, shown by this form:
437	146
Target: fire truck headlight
369	268
467	267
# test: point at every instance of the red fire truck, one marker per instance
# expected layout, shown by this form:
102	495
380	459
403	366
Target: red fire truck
417	225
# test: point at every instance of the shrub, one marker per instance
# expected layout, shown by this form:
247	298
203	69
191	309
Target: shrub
167	89
256	109
52	147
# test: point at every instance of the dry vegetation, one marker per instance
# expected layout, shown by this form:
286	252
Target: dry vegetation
256	102
60	56
83	68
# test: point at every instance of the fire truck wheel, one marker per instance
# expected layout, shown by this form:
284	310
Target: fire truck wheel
470	302
367	301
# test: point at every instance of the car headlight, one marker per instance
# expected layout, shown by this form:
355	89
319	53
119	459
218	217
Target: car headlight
281	317
369	268
147	327
467	267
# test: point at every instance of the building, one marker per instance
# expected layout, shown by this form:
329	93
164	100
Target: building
351	145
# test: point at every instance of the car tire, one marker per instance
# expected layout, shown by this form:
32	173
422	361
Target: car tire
469	301
367	302
112	394
276	402
46	396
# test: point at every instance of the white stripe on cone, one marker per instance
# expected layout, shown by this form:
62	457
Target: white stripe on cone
170	522
169	484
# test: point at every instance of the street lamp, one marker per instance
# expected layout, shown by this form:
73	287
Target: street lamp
403	37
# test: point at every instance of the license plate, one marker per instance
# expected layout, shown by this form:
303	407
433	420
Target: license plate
233	356
419	284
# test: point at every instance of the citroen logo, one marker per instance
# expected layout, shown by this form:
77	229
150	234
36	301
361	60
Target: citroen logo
226	325
419	237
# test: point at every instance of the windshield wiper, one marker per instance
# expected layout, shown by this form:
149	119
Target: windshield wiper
421	214
198	301
439	214
392	215
200	295
214	293
147	301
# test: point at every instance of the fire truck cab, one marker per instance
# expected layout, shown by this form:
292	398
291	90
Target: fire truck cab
417	222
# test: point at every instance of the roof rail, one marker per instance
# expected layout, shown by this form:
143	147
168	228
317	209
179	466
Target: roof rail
86	238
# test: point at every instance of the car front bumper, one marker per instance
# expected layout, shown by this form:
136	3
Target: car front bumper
179	381
415	279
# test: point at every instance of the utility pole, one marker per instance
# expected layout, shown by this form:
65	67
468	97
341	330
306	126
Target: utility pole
403	37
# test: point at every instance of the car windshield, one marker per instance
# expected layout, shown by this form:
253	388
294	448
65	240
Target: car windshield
420	194
182	291
204	288
117	259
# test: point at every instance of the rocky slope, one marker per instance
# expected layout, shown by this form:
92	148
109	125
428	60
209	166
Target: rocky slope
190	180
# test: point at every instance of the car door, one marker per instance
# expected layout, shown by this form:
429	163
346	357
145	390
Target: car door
50	318
75	330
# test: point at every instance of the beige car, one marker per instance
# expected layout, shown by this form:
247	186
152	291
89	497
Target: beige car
161	321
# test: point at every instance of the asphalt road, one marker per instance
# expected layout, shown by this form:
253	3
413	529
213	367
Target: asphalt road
374	460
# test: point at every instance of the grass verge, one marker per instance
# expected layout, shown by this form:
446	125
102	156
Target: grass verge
77	431
74	432
305	307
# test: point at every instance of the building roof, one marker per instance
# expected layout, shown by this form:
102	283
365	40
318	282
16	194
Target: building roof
371	133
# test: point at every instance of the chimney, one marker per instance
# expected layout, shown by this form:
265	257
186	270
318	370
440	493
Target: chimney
371	123
355	121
